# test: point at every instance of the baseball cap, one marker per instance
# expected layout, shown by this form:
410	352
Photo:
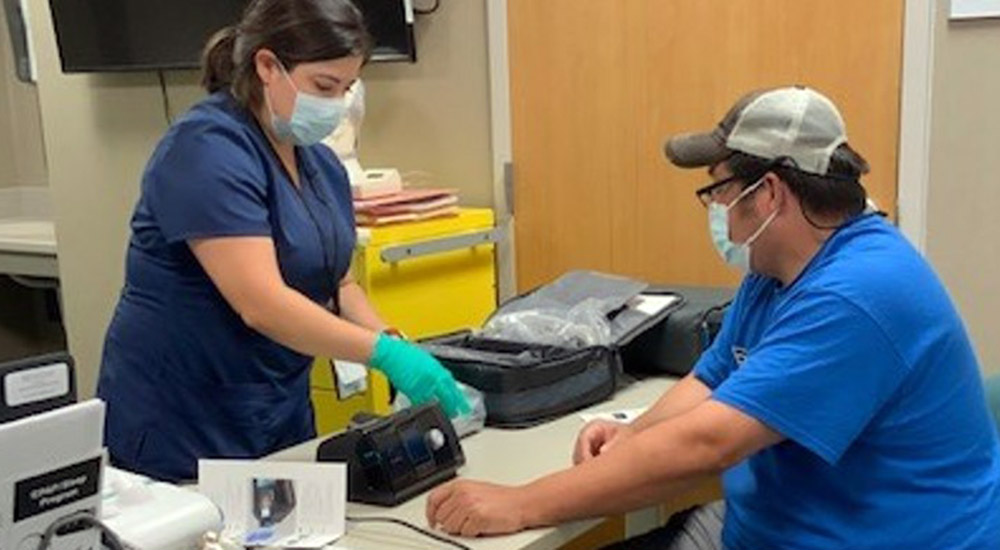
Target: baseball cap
795	123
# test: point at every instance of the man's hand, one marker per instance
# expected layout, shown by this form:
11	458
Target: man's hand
474	508
599	436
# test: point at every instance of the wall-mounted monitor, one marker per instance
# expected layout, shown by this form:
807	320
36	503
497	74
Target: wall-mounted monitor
140	35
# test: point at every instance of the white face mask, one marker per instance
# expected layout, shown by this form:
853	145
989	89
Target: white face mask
734	254
313	117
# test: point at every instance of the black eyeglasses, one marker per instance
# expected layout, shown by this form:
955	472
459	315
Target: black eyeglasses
707	193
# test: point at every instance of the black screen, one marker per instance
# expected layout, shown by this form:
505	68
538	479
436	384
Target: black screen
415	445
131	35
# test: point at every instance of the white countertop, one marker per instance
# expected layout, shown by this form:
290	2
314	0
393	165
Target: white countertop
27	233
26	225
28	236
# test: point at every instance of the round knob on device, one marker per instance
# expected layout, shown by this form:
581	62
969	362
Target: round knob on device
435	438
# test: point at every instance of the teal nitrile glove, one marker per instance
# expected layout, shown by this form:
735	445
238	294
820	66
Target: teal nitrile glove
418	374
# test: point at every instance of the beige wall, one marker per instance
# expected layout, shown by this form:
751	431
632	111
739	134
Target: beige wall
100	130
963	214
22	157
434	116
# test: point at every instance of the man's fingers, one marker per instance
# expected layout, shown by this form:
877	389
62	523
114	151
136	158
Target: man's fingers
436	498
591	441
453	523
472	526
446	511
579	449
609	444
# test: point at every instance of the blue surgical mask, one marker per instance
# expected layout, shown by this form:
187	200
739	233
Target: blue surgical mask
734	254
313	117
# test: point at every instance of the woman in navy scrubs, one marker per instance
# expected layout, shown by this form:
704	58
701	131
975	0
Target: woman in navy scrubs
237	268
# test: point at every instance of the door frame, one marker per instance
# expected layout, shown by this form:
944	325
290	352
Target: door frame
915	119
913	170
500	143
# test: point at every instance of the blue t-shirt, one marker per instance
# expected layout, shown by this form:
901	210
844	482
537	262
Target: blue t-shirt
865	367
183	375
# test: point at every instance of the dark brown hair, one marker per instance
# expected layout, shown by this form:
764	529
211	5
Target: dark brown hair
297	31
837	194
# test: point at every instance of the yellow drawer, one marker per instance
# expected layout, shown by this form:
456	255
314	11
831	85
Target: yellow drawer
421	292
435	293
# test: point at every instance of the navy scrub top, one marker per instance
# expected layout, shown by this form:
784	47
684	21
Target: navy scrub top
183	376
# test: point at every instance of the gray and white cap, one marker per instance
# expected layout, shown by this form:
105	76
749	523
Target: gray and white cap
796	123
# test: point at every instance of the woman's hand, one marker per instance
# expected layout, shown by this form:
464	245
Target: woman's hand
418	374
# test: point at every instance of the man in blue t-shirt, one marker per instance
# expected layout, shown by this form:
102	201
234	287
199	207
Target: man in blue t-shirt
842	399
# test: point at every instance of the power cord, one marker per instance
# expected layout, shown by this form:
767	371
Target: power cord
166	97
408	525
427	11
82	520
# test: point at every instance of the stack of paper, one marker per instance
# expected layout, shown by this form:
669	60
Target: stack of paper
377	183
406	205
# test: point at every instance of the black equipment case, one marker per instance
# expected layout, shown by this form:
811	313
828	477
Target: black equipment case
674	346
526	382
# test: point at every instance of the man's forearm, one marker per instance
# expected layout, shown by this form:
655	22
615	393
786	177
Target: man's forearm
684	396
667	459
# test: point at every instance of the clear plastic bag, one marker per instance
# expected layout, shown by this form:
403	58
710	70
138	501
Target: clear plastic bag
584	324
464	424
571	312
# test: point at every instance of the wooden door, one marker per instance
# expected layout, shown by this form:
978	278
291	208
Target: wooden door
596	86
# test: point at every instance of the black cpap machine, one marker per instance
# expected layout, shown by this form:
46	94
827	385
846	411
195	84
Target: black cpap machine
394	458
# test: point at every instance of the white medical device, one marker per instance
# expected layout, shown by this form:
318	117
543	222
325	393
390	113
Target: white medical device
53	481
151	515
51	469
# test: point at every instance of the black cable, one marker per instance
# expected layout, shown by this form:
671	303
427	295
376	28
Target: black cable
82	519
427	11
166	97
408	525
